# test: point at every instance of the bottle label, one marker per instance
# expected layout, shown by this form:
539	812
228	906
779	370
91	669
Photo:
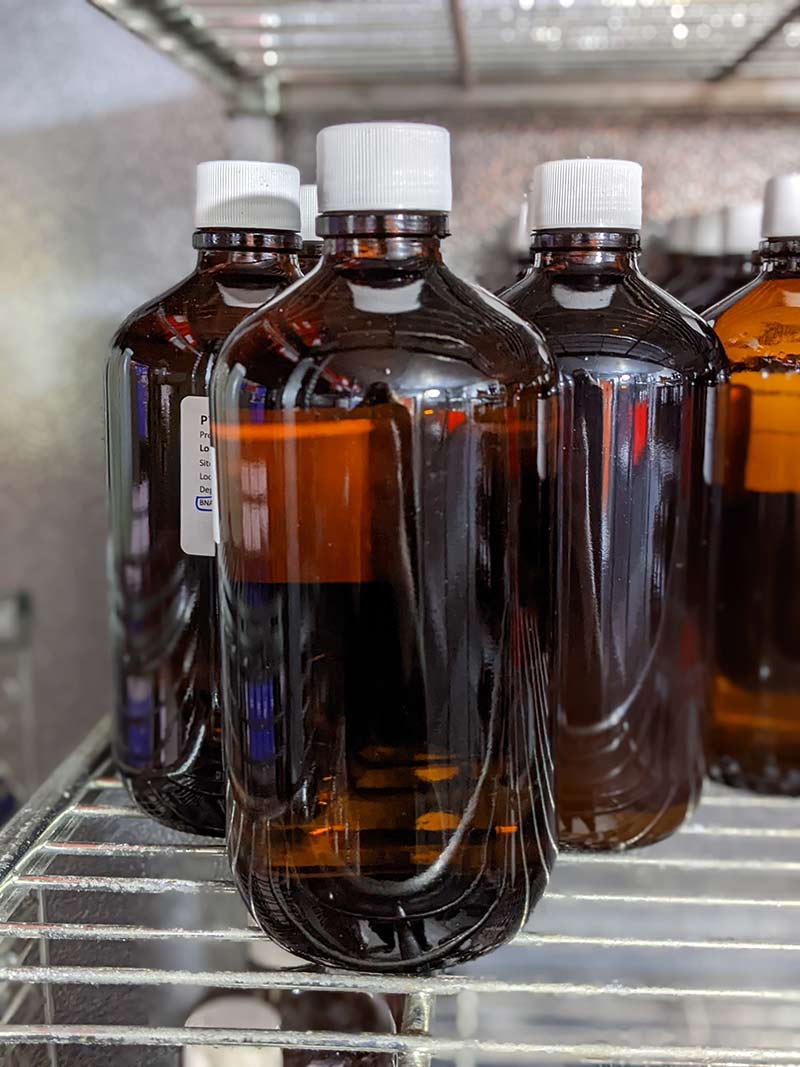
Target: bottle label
197	478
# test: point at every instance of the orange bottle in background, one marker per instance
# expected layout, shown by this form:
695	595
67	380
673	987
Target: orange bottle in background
756	698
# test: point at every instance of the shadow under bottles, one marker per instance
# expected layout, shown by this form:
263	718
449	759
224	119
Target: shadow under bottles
639	380
386	504
164	602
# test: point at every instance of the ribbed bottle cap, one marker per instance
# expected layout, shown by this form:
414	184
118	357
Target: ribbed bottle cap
240	194
592	194
384	166
782	206
521	233
742	228
707	233
308	212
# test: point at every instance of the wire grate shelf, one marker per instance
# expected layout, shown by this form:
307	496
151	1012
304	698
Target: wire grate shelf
113	930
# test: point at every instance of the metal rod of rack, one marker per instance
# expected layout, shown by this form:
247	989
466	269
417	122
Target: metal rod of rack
84	845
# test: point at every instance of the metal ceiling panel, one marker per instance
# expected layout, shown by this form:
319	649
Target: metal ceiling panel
243	43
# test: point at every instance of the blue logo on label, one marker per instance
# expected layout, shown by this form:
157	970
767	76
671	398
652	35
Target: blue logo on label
204	503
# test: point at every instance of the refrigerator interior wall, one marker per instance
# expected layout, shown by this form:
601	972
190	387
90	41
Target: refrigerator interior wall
98	140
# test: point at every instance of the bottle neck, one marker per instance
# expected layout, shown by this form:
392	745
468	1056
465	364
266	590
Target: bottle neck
401	241
246	250
586	251
780	256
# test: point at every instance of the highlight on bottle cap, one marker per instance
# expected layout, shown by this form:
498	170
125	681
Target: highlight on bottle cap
782	206
308	212
707	233
742	228
384	166
591	194
244	194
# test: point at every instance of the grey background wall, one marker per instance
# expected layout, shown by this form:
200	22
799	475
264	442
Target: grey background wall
98	140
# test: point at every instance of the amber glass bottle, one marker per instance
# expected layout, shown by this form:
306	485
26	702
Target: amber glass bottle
311	252
162	567
735	268
637	373
386	502
756	701
679	258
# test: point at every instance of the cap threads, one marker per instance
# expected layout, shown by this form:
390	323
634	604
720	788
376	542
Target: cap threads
591	194
384	166
249	195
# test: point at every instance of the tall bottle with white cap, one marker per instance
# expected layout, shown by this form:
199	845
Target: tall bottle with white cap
162	567
709	260
756	700
385	466
704	236
678	240
638	374
311	252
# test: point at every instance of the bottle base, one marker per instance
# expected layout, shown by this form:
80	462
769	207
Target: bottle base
622	831
769	780
178	804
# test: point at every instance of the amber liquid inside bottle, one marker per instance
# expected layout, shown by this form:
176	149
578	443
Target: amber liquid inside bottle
638	375
164	603
386	506
756	708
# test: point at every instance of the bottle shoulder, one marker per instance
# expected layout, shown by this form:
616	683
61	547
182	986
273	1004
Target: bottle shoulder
354	322
194	317
761	321
616	315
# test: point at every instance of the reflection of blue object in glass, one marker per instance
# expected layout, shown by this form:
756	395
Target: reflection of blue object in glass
8	803
141	399
140	710
261	720
255	397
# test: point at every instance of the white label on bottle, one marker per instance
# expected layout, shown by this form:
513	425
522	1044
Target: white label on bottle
215	495
197	478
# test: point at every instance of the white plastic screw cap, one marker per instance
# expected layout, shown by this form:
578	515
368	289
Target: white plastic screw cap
782	206
742	228
384	166
592	194
707	233
308	212
521	232
245	194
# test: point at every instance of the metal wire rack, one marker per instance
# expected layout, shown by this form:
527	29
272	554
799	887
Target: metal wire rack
258	51
112	929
